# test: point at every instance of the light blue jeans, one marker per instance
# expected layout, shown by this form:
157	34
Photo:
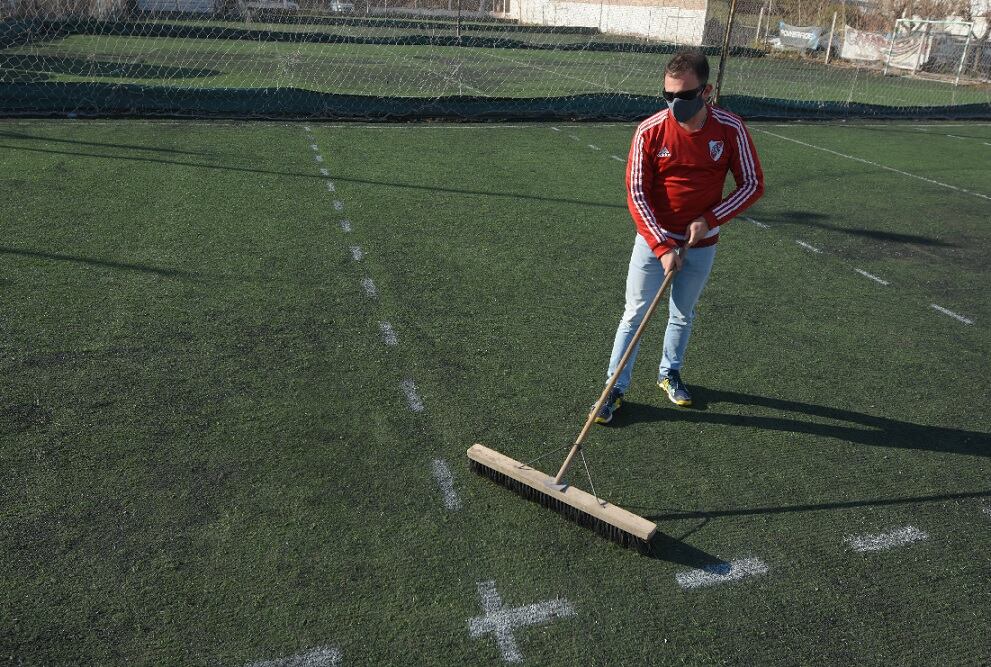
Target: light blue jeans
642	282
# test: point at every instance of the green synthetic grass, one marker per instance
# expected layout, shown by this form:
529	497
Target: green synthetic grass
422	71
208	458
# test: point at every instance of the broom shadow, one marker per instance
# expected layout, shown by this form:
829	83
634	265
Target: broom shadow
675	550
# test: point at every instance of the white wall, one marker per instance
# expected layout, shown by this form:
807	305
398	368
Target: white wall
668	24
203	6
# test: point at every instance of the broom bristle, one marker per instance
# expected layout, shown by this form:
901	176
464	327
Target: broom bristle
602	528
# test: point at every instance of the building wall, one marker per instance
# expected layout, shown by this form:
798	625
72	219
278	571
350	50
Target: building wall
679	21
192	6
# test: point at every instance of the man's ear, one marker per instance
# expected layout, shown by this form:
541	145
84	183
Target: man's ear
707	91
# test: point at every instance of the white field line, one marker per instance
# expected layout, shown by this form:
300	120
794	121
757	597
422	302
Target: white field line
810	248
556	73
500	621
461	84
323	656
618	158
876	164
314	147
987	510
889	540
594	147
953	136
945	311
721	574
319	158
556	129
755	222
330	186
987	143
338	205
388	334
872	277
412	397
442	473
324	172
307	128
575	137
357	253
345	225
369	286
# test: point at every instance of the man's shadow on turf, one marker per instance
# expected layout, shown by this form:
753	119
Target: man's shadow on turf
872	430
863	429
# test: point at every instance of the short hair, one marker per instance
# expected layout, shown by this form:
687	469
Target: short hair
689	60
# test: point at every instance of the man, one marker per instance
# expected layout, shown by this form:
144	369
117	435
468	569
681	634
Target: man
675	174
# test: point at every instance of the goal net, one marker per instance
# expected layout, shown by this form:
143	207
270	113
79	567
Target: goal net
398	59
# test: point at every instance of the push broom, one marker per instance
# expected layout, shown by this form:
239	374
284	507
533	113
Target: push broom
584	508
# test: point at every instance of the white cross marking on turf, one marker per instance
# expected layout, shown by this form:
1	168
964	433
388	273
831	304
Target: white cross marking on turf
330	186
357	253
338	205
322	656
314	147
617	158
500	621
346	225
324	172
319	158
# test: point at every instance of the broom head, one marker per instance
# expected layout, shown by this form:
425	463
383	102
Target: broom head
608	520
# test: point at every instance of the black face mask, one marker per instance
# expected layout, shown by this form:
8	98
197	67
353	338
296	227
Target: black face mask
685	104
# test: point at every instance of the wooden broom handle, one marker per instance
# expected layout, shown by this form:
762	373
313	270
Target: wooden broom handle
615	376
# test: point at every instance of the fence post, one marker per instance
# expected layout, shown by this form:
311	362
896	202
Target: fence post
829	47
760	19
891	45
722	56
922	48
963	57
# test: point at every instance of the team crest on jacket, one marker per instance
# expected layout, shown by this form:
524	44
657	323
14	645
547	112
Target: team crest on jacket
716	149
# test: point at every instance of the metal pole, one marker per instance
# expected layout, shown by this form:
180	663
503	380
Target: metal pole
760	19
457	28
891	45
922	46
722	56
829	47
964	56
767	23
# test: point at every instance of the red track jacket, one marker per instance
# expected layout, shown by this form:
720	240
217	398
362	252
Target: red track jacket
674	176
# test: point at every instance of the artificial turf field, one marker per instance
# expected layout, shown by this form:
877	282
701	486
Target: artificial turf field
209	457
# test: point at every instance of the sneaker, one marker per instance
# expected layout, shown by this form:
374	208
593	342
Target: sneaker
675	389
609	408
